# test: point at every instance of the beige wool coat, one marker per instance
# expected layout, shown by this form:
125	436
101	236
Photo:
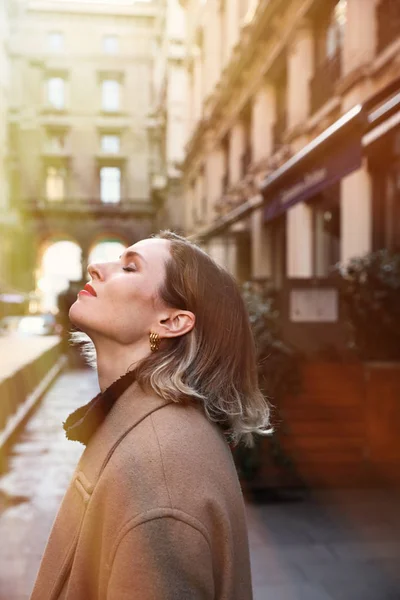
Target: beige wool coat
154	511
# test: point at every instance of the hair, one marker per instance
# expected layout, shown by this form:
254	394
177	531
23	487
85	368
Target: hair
214	364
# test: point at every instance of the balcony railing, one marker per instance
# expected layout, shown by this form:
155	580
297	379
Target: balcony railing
88	206
324	80
388	19
279	129
246	161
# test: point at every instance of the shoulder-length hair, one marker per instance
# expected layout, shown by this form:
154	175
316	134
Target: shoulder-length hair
214	364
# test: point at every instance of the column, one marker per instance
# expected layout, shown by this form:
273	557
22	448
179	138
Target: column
356	214
300	71
299	241
263	118
359	34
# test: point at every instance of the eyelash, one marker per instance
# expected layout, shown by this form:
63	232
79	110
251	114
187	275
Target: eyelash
129	269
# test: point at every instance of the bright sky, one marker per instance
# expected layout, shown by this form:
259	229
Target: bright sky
110	2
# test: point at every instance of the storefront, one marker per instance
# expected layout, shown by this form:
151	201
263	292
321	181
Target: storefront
306	191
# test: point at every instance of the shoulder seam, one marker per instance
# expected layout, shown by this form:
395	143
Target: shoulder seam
154	514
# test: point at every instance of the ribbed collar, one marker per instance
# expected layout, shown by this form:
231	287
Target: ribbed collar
85	420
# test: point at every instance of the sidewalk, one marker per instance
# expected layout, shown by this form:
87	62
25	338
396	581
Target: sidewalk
336	546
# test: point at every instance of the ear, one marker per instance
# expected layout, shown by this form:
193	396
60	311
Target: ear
178	323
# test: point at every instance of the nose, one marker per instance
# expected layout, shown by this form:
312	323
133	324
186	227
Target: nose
94	271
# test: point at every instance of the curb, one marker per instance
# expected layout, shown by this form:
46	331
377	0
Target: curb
17	419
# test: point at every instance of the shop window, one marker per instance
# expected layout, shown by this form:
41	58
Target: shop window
56	92
56	183
110	185
110	95
326	231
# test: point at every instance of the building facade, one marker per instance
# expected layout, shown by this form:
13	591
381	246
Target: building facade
167	126
82	88
8	216
293	144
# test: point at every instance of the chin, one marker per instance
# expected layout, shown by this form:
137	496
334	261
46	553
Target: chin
77	317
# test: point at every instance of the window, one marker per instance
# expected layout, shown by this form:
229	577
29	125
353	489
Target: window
110	143
110	184
326	229
55	41
110	95
386	206
56	92
110	44
335	32
55	183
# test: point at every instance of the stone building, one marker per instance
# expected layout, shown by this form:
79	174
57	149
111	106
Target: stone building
82	88
167	126
8	216
293	144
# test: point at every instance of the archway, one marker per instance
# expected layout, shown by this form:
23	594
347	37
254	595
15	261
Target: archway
106	249
59	263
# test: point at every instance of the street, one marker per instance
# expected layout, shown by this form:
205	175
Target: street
342	545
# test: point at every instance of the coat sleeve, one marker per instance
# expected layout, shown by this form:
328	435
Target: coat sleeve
162	559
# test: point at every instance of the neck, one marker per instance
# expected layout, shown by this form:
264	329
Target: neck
114	359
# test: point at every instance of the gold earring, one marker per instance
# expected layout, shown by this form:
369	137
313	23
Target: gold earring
154	341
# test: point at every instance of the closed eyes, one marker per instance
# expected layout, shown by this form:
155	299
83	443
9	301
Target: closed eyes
129	269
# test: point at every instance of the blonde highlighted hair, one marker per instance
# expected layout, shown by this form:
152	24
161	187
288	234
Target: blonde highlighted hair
215	363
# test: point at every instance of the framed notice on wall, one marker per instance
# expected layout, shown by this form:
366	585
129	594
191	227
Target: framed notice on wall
314	305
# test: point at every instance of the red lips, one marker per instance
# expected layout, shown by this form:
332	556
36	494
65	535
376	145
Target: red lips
89	289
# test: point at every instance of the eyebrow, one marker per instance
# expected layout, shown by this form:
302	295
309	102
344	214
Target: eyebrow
130	253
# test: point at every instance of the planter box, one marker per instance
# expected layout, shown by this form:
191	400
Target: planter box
343	430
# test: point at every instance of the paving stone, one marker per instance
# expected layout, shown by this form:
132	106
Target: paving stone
302	591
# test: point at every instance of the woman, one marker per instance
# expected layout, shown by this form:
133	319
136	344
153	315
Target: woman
154	510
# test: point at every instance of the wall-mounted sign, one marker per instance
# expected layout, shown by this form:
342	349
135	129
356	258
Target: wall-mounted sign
314	305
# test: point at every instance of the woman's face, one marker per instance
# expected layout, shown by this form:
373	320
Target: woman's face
125	307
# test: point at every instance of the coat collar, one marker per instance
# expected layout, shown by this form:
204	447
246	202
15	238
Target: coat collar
106	420
85	420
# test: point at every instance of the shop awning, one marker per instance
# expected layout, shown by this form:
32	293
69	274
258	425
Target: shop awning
331	166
